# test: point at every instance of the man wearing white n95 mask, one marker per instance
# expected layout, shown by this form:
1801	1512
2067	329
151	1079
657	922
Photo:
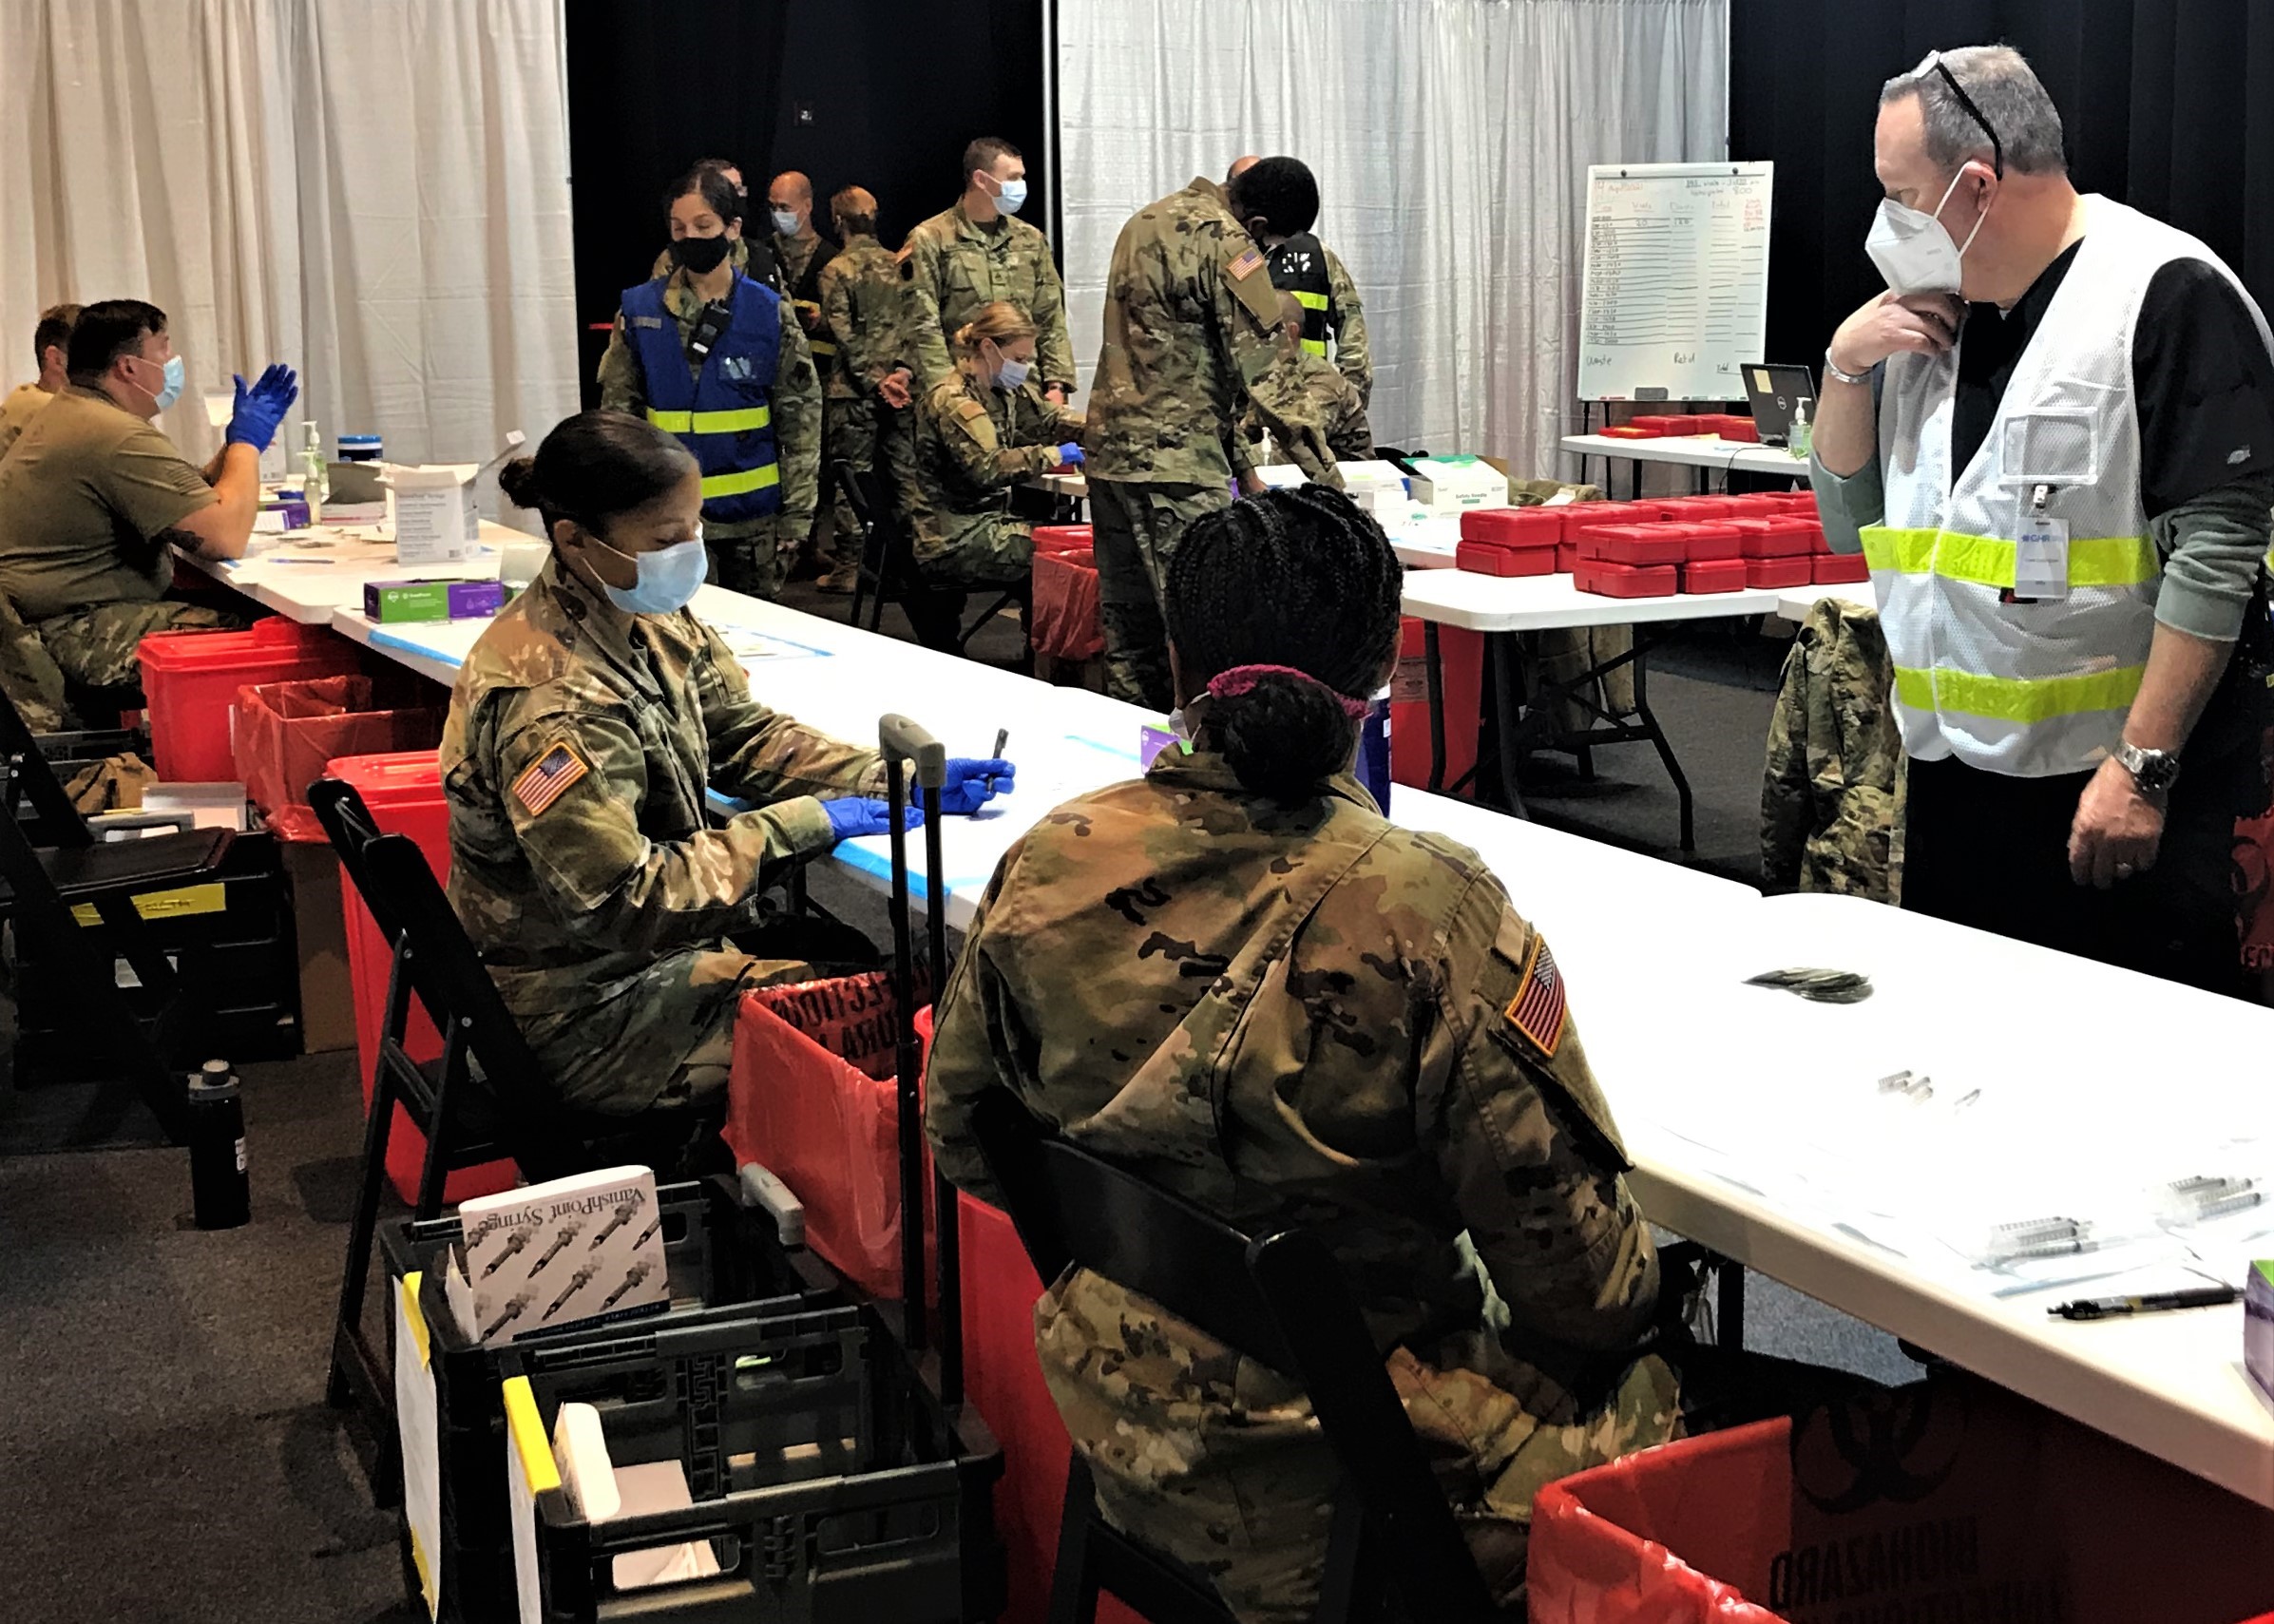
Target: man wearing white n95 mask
2052	439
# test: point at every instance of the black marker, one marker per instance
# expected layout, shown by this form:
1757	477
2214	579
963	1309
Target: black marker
1003	737
2160	1302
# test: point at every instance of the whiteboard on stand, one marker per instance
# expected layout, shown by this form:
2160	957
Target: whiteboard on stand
1674	295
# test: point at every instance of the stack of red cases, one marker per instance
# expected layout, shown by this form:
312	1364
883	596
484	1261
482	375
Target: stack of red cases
1789	536
1634	546
1509	541
1742	431
1716	575
1840	569
1708	543
1628	432
1779	571
1622	581
1680	424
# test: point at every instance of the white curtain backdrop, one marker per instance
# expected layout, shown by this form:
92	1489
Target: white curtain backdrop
373	191
1451	140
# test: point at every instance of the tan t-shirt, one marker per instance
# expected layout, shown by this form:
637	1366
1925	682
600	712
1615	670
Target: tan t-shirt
23	403
82	495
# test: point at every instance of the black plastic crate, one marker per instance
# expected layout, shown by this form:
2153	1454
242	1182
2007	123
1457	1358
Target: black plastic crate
239	971
725	1262
831	1484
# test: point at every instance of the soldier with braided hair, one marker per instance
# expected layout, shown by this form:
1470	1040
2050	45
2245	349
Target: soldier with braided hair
1237	978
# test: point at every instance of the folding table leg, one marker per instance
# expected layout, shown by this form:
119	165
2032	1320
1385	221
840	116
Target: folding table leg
1660	743
1508	725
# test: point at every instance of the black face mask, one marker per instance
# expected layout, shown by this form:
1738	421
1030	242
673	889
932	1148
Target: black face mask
700	255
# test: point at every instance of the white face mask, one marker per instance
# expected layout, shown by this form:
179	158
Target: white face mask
1911	249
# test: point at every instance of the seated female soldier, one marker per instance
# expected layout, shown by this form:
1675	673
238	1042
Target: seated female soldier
1236	978
585	726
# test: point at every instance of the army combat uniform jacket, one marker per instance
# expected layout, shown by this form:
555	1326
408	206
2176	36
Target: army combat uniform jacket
954	265
972	443
1831	793
1342	419
579	743
864	304
1305	1015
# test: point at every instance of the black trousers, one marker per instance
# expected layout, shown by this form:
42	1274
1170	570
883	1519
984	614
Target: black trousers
1991	851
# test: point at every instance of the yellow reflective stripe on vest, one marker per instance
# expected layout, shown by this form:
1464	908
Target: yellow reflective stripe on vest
2024	700
738	422
716	485
1315	346
822	346
1312	301
1985	560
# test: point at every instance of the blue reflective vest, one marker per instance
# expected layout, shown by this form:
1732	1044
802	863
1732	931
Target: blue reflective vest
725	417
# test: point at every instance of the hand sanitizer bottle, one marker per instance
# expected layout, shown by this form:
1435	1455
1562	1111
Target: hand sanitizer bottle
1800	439
316	477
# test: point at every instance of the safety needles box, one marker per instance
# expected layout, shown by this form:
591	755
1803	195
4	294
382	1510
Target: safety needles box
580	1251
2258	1326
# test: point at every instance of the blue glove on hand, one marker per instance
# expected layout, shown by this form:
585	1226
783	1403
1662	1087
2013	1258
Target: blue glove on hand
863	814
261	407
1069	455
972	784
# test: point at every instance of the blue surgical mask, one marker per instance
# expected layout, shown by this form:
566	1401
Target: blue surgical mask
1012	375
1010	196
177	380
668	578
785	222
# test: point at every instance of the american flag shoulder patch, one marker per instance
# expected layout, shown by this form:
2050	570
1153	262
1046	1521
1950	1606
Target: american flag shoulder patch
1246	265
548	778
1536	1010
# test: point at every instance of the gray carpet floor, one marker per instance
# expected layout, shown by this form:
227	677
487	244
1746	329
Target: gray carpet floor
165	1452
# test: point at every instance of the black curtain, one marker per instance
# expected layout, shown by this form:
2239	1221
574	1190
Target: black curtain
2167	105
880	93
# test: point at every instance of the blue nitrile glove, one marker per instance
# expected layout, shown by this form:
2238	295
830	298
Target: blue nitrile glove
261	407
972	784
1069	455
863	814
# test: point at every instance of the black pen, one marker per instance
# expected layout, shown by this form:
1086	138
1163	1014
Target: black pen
1003	737
2155	1303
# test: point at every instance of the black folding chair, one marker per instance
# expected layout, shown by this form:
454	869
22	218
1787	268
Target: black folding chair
483	1099
889	569
1393	1549
52	862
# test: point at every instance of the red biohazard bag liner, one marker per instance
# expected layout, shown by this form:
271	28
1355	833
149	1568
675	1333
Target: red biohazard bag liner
1610	580
1512	527
285	734
1461	676
1840	569
1779	571
1483	559
1636	544
190	681
1064	624
1786	537
1714	575
1946	1499
1711	541
1063	539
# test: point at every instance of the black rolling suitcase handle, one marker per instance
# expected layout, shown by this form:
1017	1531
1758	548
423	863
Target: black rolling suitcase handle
904	745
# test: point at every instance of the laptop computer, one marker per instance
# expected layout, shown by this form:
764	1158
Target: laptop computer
1774	393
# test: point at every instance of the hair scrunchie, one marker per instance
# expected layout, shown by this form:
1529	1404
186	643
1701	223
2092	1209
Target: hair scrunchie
1240	679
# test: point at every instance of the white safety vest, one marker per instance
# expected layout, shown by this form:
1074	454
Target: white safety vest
2028	689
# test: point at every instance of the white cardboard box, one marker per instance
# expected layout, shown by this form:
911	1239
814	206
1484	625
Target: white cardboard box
1459	483
582	1249
436	518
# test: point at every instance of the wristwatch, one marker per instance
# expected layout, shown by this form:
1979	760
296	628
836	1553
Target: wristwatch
2153	770
1831	370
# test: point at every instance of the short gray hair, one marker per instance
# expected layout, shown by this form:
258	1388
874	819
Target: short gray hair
2010	96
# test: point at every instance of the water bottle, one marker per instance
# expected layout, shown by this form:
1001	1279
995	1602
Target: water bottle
221	1195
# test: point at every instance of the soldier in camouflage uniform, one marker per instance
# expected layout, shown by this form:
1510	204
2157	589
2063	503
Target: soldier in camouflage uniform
582	737
1192	323
864	303
1342	414
977	253
1831	796
977	434
750	256
1300	260
1236	978
752	555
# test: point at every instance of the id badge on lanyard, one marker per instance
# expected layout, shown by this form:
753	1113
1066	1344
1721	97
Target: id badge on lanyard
2041	555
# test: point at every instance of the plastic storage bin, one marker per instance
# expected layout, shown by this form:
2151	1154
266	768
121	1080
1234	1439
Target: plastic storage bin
828	1482
1460	658
191	679
1778	571
404	795
1714	575
724	1262
1840	569
287	733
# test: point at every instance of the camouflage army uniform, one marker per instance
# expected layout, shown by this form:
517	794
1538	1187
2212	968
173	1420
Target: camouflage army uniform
954	265
864	303
1342	417
1354	355
750	556
604	913
1192	320
96	647
972	443
1305	1015
1832	796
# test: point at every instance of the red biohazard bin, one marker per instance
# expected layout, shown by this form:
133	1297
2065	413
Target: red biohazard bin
404	793
1064	624
1063	539
1965	1502
1460	658
191	679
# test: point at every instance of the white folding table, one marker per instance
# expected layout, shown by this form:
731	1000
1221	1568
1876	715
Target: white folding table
1705	453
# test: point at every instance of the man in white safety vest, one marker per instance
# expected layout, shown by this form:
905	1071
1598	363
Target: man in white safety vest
2052	437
